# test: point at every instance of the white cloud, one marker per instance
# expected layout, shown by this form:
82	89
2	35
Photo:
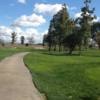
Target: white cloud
33	20
22	1
78	15
5	30
47	9
18	30
50	9
5	33
38	36
97	19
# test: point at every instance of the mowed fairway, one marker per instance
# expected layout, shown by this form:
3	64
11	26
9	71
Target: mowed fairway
63	77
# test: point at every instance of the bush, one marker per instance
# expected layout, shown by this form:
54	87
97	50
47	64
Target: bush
26	44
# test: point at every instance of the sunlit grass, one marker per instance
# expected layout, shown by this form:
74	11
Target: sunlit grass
64	77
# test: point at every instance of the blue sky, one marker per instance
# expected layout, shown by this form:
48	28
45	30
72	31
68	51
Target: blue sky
31	17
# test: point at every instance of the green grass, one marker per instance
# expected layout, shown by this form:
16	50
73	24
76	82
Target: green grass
5	52
63	77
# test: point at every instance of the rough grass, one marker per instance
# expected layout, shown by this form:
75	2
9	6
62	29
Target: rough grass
64	77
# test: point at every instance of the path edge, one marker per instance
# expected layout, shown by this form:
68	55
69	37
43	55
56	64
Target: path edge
43	95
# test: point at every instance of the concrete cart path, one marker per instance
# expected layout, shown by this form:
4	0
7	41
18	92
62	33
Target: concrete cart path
16	81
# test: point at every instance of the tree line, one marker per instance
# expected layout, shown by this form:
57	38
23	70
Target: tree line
65	33
30	40
23	40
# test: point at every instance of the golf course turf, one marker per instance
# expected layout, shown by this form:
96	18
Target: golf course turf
61	76
65	77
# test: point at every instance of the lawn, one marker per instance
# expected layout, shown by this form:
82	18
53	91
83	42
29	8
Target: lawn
63	77
5	52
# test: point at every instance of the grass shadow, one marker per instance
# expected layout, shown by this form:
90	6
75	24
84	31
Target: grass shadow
60	54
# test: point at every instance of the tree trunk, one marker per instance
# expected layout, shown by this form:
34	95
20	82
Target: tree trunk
99	46
55	47
86	43
60	47
79	49
49	47
70	51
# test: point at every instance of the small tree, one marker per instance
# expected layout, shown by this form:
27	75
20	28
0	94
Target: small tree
98	38
2	42
13	36
22	39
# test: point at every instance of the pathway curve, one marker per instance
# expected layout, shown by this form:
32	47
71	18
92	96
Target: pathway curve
16	81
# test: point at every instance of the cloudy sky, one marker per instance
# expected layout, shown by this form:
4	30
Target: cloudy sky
32	17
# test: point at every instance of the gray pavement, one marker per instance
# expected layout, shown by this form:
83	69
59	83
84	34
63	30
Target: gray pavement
16	81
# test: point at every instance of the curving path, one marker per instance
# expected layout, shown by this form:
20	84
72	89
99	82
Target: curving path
16	81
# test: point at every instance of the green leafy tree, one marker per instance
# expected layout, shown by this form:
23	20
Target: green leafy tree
60	26
98	38
52	34
95	28
45	39
13	36
22	38
73	40
2	42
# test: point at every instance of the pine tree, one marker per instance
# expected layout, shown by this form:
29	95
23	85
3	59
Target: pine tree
85	21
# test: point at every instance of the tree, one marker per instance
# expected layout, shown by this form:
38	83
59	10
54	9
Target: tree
2	42
73	40
85	21
22	39
98	38
60	26
30	40
48	39
95	28
13	36
45	39
52	36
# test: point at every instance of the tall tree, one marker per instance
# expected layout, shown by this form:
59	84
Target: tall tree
60	26
85	21
13	36
22	38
